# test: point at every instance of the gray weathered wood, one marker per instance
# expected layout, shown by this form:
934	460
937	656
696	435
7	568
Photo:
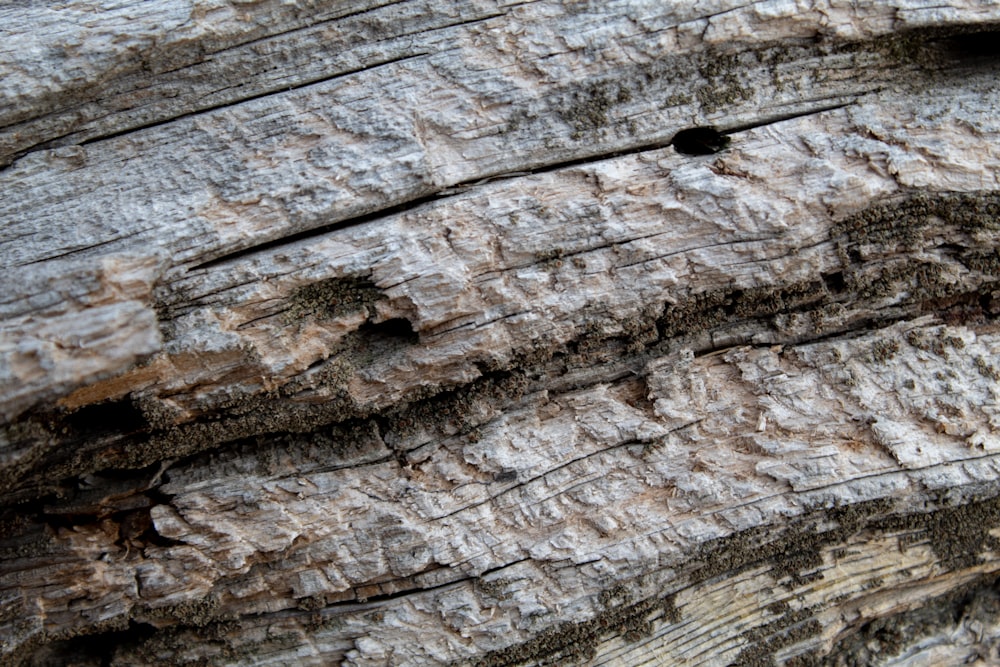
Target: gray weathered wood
400	333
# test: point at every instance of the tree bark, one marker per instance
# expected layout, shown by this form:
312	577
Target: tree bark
420	332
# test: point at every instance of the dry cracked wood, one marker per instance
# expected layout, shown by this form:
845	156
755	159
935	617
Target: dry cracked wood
400	333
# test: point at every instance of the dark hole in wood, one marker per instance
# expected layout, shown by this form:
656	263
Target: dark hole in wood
96	649
699	141
120	416
732	303
989	304
398	328
835	281
974	45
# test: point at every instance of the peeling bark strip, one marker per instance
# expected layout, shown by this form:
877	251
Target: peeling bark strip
488	333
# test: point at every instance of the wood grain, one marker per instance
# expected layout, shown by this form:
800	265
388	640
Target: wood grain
400	333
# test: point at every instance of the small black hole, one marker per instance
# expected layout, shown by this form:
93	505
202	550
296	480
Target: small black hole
96	649
974	45
397	328
834	281
732	304
699	141
120	416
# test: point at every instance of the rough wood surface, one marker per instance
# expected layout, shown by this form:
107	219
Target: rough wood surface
400	333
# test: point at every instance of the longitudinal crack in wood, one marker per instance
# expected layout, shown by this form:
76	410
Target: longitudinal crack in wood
464	187
302	84
255	389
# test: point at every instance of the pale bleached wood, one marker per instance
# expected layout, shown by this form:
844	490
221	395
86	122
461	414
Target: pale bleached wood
401	335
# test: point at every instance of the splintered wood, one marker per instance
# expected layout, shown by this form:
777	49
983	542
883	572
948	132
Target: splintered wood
422	333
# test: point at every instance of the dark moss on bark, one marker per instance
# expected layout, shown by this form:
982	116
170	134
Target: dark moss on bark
976	602
874	279
333	298
957	529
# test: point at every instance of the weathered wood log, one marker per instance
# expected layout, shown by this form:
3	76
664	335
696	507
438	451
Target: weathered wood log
416	333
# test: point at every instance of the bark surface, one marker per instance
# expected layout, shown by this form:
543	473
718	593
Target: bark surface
413	332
